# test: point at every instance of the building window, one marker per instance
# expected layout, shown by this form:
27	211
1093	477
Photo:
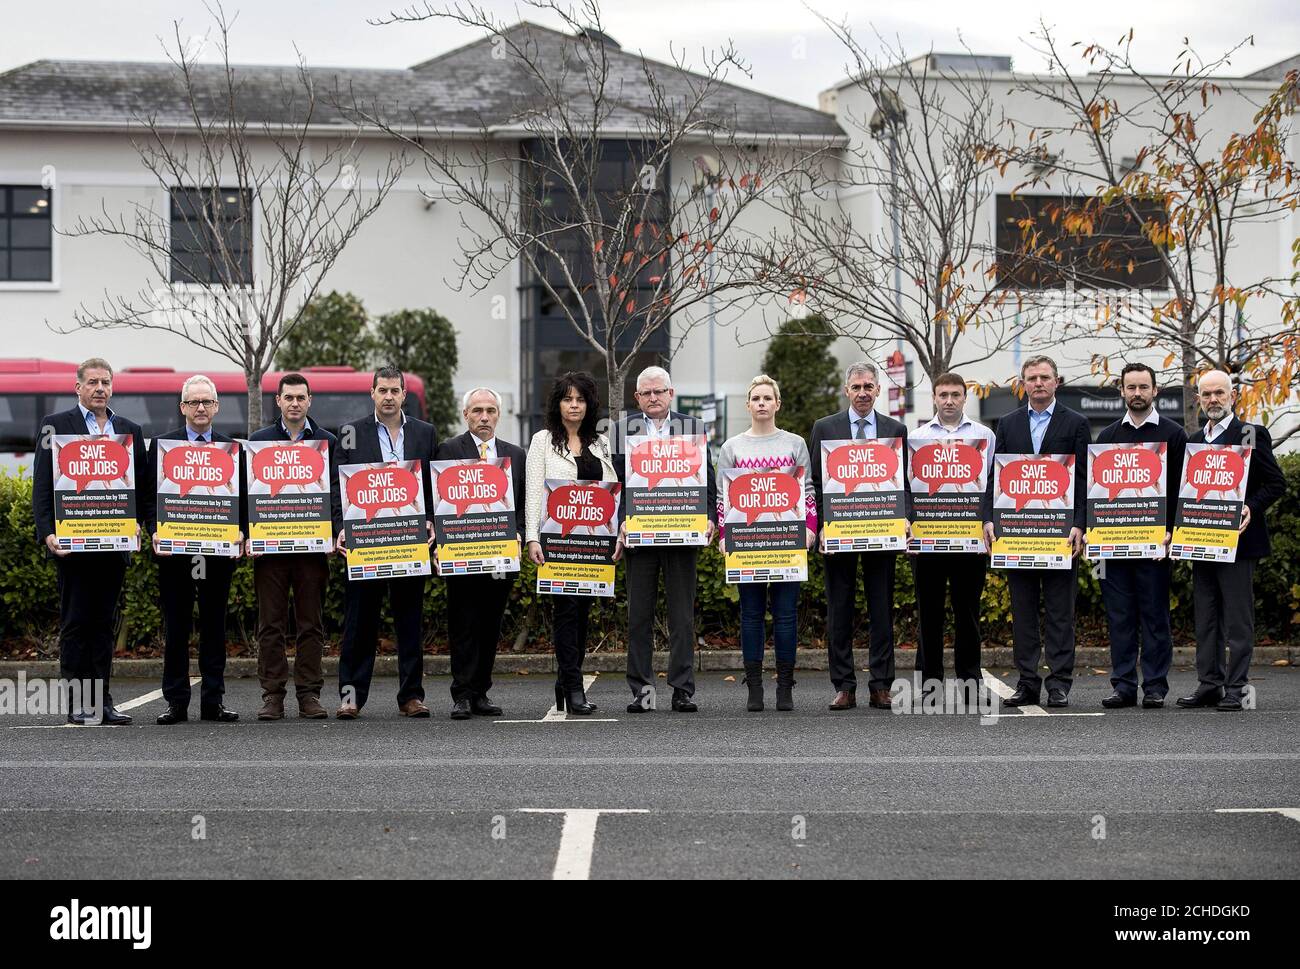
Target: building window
1114	255
25	234
550	345
203	222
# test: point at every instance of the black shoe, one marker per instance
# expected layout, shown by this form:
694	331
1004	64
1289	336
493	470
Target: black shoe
481	706
114	718
1150	702
576	702
1023	697
175	714
1229	702
785	686
77	717
754	680
1057	698
460	710
644	702
1117	700
1203	697
218	714
682	702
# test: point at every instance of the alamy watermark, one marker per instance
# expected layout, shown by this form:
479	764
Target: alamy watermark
39	697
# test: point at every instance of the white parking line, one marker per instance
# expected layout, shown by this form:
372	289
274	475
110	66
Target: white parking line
1292	813
554	715
578	839
123	707
1004	691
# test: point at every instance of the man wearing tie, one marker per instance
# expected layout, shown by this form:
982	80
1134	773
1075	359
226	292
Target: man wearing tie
961	572
184	578
1136	591
304	574
1223	593
386	435
90	583
476	603
858	422
654	394
1044	426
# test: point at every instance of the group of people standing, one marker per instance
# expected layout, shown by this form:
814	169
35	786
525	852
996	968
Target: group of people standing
571	447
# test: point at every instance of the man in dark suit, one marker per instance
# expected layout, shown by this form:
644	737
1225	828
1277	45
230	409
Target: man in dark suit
476	603
858	422
304	574
1223	593
386	435
1044	426
1136	591
654	394
182	579
90	583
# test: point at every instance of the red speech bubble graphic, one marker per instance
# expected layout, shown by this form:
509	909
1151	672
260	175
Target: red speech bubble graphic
1028	481
869	462
580	506
287	464
466	485
671	459
1215	470
947	462
96	460
764	492
372	489
198	466
1126	469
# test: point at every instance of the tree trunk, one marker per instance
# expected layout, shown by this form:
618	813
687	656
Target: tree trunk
615	377
253	381
1190	406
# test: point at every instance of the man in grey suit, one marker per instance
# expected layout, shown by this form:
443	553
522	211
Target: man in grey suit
858	422
654	394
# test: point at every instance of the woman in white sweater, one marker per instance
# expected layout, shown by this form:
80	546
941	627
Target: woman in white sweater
765	445
568	448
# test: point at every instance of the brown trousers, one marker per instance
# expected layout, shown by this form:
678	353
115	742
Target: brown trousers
275	576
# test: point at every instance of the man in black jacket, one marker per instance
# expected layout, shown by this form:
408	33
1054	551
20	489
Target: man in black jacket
1044	426
90	583
183	579
304	574
858	422
654	394
476	603
1223	593
386	435
1136	591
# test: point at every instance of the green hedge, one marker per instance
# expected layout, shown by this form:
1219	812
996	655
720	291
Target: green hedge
29	592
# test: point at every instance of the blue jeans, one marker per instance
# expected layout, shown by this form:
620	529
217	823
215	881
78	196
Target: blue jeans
756	598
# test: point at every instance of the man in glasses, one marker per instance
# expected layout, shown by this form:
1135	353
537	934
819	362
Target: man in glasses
656	418
182	579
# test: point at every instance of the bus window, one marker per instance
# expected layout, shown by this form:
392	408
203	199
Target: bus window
18	420
159	413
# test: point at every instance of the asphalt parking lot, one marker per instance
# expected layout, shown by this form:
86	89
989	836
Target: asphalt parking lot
1077	794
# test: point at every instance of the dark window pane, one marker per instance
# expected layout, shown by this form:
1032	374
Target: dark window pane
4	231
29	264
36	201
4	264
18	419
31	233
4	200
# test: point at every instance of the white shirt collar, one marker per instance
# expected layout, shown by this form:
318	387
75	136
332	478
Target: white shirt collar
491	443
88	415
938	425
1219	428
1151	418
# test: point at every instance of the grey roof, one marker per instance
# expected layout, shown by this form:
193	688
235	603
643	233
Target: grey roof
1278	71
462	89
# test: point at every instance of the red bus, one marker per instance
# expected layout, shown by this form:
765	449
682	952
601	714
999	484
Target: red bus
31	389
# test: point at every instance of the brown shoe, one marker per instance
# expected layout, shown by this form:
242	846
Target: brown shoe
347	711
272	708
844	700
882	700
414	708
309	708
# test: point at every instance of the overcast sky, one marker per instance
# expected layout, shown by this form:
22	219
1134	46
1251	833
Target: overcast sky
789	50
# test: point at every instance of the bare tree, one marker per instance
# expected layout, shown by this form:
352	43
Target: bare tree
617	260
925	273
263	209
1150	180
